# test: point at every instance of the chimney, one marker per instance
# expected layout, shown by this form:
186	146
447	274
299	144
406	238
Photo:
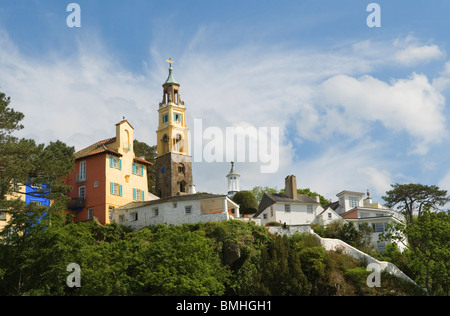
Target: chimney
291	187
317	198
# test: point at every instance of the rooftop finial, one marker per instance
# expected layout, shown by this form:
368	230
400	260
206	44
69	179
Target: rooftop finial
170	63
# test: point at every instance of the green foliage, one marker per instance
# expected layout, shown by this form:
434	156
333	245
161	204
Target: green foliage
224	258
247	202
411	199
259	191
281	270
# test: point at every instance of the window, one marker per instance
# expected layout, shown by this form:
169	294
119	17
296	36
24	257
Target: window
165	118
353	201
111	213
379	227
381	246
82	192
264	216
188	210
134	216
116	189
329	215
271	210
2	216
138	195
155	212
90	213
174	204
138	170
309	209
181	168
364	214
177	118
95	184
287	208
82	171
115	162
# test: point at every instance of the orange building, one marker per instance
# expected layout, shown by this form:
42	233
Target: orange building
107	175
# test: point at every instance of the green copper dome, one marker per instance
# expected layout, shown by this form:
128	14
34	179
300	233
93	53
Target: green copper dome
170	78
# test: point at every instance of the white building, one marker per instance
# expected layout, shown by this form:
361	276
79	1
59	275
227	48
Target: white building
233	181
177	210
290	208
376	215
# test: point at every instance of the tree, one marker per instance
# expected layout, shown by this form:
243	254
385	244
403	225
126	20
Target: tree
9	119
413	199
259	191
281	270
247	202
430	233
23	162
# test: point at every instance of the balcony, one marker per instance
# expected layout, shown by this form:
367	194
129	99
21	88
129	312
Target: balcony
81	177
76	204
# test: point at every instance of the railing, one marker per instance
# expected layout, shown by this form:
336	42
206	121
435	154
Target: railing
76	204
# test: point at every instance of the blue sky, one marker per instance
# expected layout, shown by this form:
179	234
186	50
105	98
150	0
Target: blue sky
357	108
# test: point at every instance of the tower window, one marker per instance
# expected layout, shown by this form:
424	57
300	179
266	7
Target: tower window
183	186
165	118
181	169
177	118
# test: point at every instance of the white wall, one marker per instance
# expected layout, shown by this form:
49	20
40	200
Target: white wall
297	216
168	214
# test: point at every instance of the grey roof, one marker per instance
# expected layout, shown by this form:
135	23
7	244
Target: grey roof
175	198
232	171
269	199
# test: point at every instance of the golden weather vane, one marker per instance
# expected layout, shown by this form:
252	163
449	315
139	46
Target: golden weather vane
170	61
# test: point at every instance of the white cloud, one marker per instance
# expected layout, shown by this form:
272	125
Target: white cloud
413	55
412	105
324	94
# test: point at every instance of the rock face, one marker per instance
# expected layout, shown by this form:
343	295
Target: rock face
231	253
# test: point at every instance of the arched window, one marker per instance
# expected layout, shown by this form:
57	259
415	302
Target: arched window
183	186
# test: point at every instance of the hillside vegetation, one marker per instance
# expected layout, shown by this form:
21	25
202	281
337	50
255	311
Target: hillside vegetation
226	258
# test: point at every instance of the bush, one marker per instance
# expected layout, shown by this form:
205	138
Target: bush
247	202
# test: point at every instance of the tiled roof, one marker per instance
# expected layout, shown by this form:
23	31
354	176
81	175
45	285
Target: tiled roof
175	198
142	161
97	148
269	199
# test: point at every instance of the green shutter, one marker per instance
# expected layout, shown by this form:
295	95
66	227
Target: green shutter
112	187
111	161
134	168
143	196
134	194
120	164
142	171
120	190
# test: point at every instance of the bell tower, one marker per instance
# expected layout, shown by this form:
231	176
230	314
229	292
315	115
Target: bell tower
173	163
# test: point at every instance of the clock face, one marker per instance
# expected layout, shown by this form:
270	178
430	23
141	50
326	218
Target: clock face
163	169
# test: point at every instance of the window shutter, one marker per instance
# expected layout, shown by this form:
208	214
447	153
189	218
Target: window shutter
134	168
143	196
120	190
111	161
134	194
120	164
112	187
142	171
